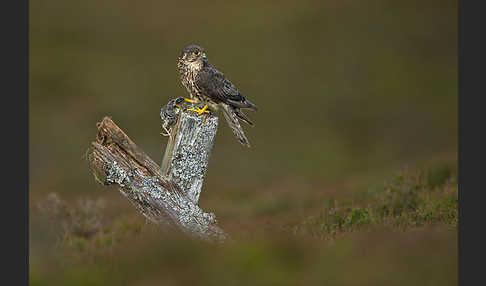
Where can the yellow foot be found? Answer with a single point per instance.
(190, 100)
(199, 110)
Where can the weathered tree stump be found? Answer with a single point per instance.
(165, 196)
(187, 154)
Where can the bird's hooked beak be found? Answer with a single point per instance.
(204, 57)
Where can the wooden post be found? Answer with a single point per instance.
(188, 150)
(115, 159)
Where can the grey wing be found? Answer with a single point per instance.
(216, 86)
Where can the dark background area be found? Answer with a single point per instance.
(349, 94)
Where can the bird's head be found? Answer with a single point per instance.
(193, 55)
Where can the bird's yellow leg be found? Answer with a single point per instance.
(200, 110)
(190, 100)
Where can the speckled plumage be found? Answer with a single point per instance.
(207, 85)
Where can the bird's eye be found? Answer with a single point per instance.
(196, 53)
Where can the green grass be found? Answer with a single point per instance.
(408, 200)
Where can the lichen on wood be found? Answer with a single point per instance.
(115, 159)
(187, 154)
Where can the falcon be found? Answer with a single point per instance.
(209, 87)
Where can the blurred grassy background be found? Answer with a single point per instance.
(349, 93)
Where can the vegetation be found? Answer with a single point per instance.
(94, 250)
(409, 200)
(81, 227)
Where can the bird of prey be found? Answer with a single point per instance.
(209, 87)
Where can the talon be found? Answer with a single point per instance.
(199, 110)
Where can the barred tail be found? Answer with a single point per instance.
(231, 115)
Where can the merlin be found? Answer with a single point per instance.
(209, 87)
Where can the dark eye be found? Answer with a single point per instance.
(196, 53)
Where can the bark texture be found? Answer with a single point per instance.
(115, 159)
